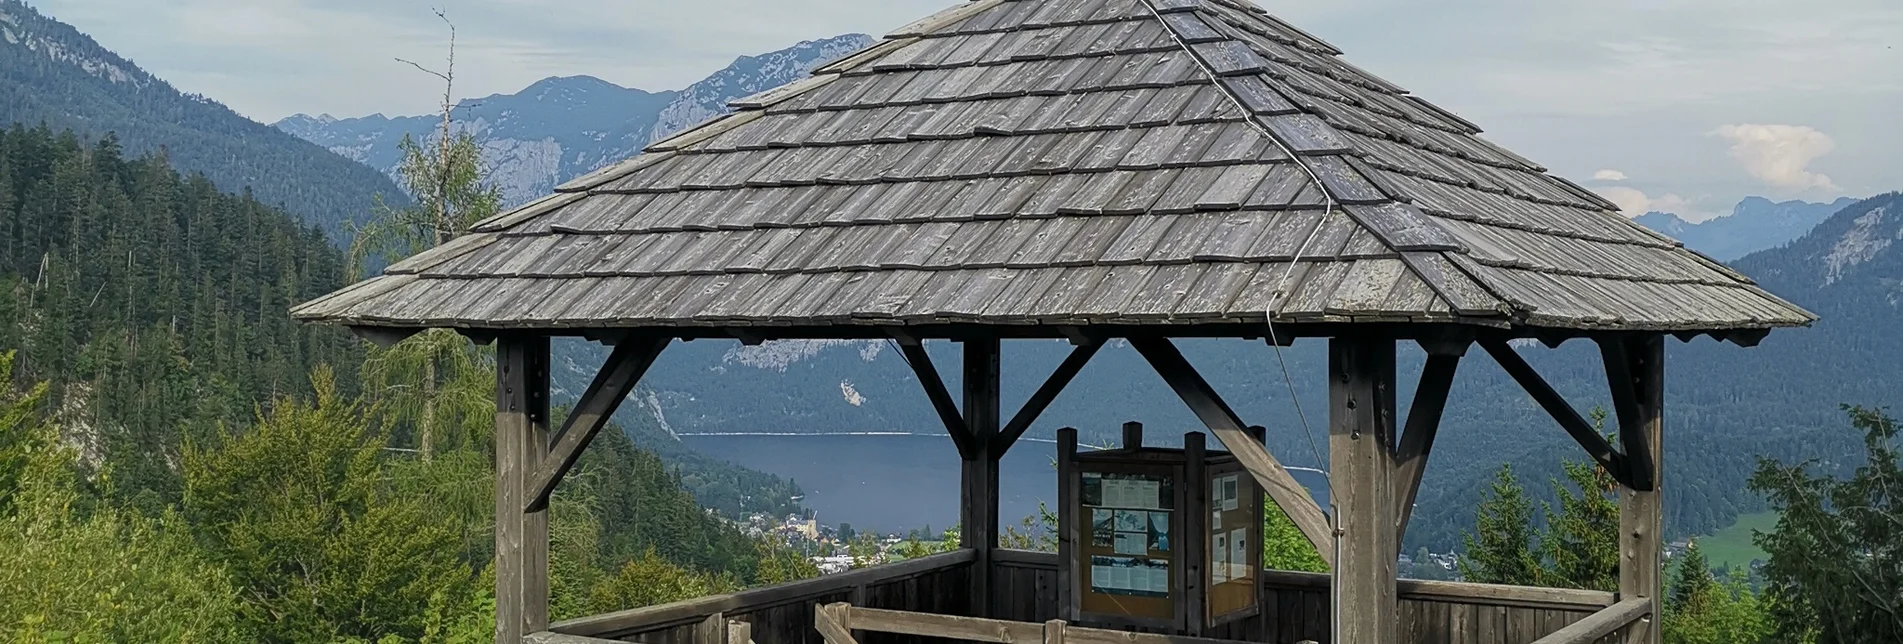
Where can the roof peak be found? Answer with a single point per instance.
(1071, 162)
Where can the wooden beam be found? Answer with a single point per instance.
(1423, 422)
(1620, 361)
(1600, 624)
(978, 517)
(1070, 530)
(1220, 419)
(921, 363)
(547, 637)
(1556, 406)
(1641, 516)
(742, 602)
(1193, 596)
(832, 622)
(967, 629)
(521, 442)
(1041, 399)
(617, 377)
(1361, 476)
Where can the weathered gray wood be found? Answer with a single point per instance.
(521, 441)
(1602, 623)
(1045, 394)
(1054, 631)
(712, 630)
(735, 603)
(1069, 585)
(921, 363)
(831, 620)
(1219, 418)
(1641, 516)
(978, 501)
(547, 637)
(1556, 406)
(739, 632)
(1361, 468)
(1192, 600)
(974, 629)
(618, 376)
(1423, 422)
(1620, 361)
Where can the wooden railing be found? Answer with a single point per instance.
(783, 614)
(1296, 607)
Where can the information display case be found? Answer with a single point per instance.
(1156, 538)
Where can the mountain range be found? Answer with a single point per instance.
(1754, 224)
(53, 75)
(563, 127)
(1726, 404)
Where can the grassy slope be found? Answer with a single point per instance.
(1732, 545)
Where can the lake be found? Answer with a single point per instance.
(893, 482)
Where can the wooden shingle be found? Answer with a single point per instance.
(1015, 162)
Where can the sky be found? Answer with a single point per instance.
(1683, 106)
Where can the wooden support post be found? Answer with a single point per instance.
(1133, 435)
(1220, 419)
(978, 515)
(1423, 422)
(1641, 511)
(1361, 464)
(521, 443)
(1069, 587)
(1192, 604)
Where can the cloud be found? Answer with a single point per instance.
(1608, 175)
(1780, 155)
(1633, 202)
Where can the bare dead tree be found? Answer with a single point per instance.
(444, 228)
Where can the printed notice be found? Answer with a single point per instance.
(1231, 492)
(1102, 527)
(1145, 494)
(1218, 559)
(1159, 576)
(1133, 543)
(1238, 553)
(1160, 531)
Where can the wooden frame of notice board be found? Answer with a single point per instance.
(1137, 536)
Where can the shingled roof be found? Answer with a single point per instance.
(1069, 162)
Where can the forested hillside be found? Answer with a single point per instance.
(212, 470)
(52, 74)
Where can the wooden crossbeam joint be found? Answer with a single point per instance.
(1045, 394)
(921, 363)
(1621, 362)
(630, 360)
(1557, 407)
(1600, 624)
(1223, 421)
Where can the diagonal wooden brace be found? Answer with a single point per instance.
(1041, 399)
(921, 363)
(630, 360)
(1220, 419)
(1556, 406)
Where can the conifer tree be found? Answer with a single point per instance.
(1502, 549)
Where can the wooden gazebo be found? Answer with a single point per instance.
(1085, 170)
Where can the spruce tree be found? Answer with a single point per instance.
(1501, 550)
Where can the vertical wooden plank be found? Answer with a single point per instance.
(739, 632)
(979, 514)
(1069, 581)
(1361, 464)
(712, 630)
(1460, 623)
(1192, 606)
(1641, 517)
(1133, 435)
(521, 443)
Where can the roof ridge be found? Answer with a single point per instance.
(1392, 220)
